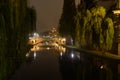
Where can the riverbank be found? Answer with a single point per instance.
(101, 54)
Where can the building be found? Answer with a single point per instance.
(117, 27)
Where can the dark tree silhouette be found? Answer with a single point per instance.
(66, 26)
(14, 30)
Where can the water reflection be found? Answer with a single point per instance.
(34, 54)
(61, 54)
(68, 61)
(31, 56)
(78, 66)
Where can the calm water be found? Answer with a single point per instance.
(65, 64)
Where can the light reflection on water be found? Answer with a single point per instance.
(35, 54)
(61, 53)
(78, 66)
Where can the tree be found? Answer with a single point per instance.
(66, 23)
(98, 14)
(103, 30)
(94, 28)
(108, 34)
(77, 29)
(14, 30)
(89, 3)
(2, 33)
(82, 20)
(31, 19)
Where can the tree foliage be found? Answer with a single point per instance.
(108, 33)
(94, 28)
(66, 23)
(78, 28)
(31, 19)
(14, 30)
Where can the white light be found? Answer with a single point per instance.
(34, 55)
(72, 55)
(27, 54)
(116, 11)
(48, 48)
(30, 37)
(61, 53)
(101, 67)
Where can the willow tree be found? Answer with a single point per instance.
(108, 34)
(82, 20)
(66, 23)
(12, 28)
(95, 29)
(14, 32)
(98, 14)
(102, 27)
(3, 43)
(2, 33)
(77, 29)
(15, 28)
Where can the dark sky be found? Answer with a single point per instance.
(48, 13)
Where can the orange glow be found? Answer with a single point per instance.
(116, 11)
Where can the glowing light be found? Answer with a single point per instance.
(101, 67)
(34, 55)
(48, 48)
(61, 54)
(72, 55)
(116, 11)
(35, 35)
(27, 54)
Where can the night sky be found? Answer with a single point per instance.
(48, 13)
